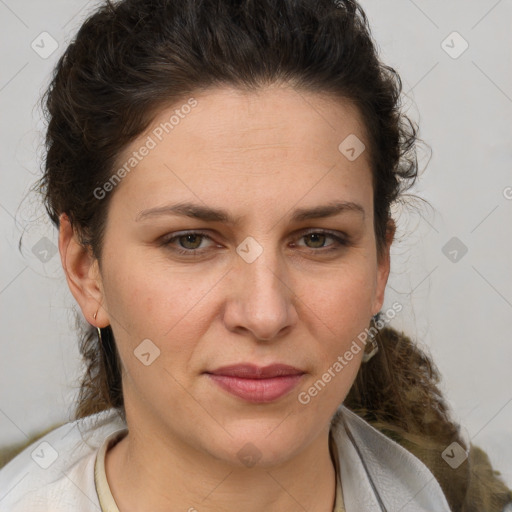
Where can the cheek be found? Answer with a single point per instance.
(342, 298)
(157, 305)
(156, 302)
(340, 308)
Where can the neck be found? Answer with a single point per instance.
(165, 475)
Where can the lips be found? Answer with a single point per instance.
(250, 371)
(257, 384)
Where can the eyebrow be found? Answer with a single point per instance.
(204, 213)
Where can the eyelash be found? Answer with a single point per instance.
(340, 242)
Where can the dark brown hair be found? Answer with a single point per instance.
(132, 58)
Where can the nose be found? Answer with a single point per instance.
(260, 299)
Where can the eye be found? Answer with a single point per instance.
(318, 238)
(189, 242)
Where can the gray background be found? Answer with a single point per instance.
(459, 306)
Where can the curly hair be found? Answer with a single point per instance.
(133, 57)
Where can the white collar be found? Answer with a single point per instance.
(378, 474)
(401, 481)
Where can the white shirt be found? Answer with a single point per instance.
(57, 472)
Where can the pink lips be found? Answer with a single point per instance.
(257, 384)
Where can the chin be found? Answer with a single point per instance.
(260, 447)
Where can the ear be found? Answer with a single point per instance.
(384, 264)
(82, 274)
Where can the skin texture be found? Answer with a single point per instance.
(259, 156)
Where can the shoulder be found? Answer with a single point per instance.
(56, 472)
(380, 471)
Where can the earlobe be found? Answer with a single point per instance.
(82, 274)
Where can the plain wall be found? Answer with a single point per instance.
(458, 306)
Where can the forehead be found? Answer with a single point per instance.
(230, 119)
(267, 144)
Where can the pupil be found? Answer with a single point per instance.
(190, 238)
(315, 236)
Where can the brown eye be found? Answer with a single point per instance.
(192, 238)
(317, 240)
(189, 243)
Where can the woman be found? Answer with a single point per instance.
(221, 174)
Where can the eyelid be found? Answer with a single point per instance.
(341, 240)
(330, 232)
(168, 238)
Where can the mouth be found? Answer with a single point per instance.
(257, 384)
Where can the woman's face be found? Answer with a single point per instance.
(253, 289)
